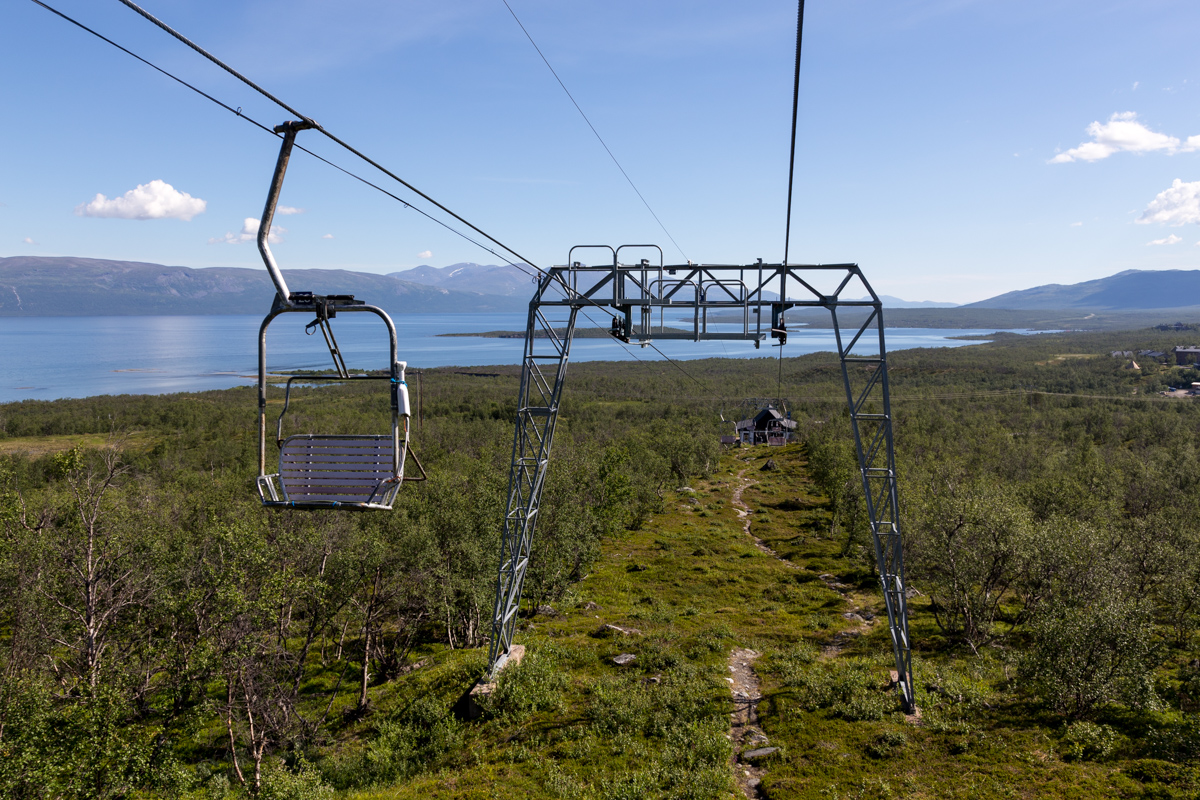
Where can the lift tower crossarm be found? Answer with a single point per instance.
(637, 293)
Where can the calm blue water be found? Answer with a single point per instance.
(46, 358)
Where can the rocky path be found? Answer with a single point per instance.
(751, 747)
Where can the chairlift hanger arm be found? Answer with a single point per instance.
(289, 131)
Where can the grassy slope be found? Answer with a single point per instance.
(573, 724)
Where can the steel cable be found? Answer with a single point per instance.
(787, 236)
(238, 112)
(177, 35)
(599, 138)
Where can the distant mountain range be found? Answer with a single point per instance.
(1128, 290)
(505, 281)
(896, 302)
(52, 287)
(37, 286)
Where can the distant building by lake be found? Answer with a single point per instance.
(1186, 355)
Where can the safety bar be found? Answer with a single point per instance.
(287, 393)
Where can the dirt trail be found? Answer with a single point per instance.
(750, 744)
(743, 512)
(863, 619)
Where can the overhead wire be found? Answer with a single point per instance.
(599, 138)
(318, 127)
(238, 112)
(787, 234)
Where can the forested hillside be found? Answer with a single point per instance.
(162, 636)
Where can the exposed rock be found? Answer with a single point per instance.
(770, 466)
(624, 658)
(685, 489)
(850, 615)
(590, 606)
(759, 755)
(868, 616)
(616, 630)
(547, 611)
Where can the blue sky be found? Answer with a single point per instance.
(956, 149)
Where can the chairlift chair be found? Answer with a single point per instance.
(324, 471)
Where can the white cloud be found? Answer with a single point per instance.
(425, 254)
(289, 210)
(1135, 85)
(250, 233)
(327, 236)
(1076, 224)
(1123, 132)
(154, 200)
(28, 240)
(1172, 239)
(1176, 206)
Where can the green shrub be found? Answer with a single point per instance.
(1175, 739)
(1086, 654)
(405, 744)
(626, 705)
(850, 688)
(951, 686)
(793, 661)
(302, 782)
(534, 685)
(1087, 741)
(698, 745)
(887, 744)
(713, 639)
(1152, 770)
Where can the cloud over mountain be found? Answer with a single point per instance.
(154, 200)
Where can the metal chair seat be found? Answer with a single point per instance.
(333, 472)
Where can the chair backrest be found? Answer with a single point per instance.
(338, 469)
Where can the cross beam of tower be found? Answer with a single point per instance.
(720, 301)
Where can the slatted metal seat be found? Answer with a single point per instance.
(319, 471)
(340, 469)
(334, 471)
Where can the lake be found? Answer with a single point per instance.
(46, 358)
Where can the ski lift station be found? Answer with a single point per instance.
(768, 426)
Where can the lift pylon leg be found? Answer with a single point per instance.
(866, 381)
(543, 369)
